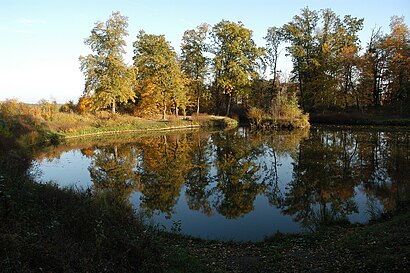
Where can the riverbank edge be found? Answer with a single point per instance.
(145, 126)
(378, 119)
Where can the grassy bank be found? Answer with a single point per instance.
(45, 123)
(74, 125)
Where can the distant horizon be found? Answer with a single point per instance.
(39, 58)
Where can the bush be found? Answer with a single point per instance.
(68, 107)
(256, 116)
(289, 107)
(287, 115)
(84, 105)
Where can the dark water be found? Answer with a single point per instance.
(242, 185)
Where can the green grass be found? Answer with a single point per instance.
(69, 125)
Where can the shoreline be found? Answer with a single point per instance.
(114, 132)
(360, 119)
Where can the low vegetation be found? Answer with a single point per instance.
(285, 114)
(51, 122)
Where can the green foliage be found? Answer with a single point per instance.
(161, 82)
(235, 60)
(286, 114)
(221, 67)
(108, 79)
(324, 74)
(194, 63)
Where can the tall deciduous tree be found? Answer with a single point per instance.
(324, 52)
(108, 79)
(300, 32)
(235, 60)
(348, 60)
(372, 68)
(273, 39)
(194, 62)
(159, 74)
(397, 47)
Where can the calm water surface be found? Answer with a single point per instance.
(242, 185)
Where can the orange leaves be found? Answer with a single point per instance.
(84, 104)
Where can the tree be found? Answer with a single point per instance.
(108, 79)
(273, 39)
(324, 52)
(347, 59)
(159, 74)
(300, 32)
(194, 63)
(337, 57)
(235, 60)
(397, 47)
(372, 69)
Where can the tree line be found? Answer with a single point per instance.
(220, 68)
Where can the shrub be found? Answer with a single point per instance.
(68, 107)
(11, 108)
(84, 105)
(256, 116)
(289, 107)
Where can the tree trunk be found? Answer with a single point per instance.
(197, 105)
(228, 105)
(116, 152)
(113, 107)
(164, 110)
(176, 110)
(302, 99)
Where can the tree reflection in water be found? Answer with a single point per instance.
(112, 168)
(224, 172)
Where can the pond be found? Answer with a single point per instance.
(242, 185)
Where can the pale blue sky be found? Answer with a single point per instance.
(41, 40)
